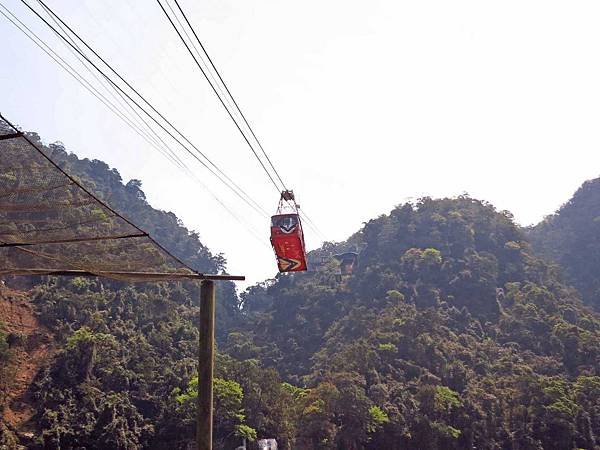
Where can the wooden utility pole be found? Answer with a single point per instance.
(206, 360)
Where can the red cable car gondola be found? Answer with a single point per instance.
(287, 237)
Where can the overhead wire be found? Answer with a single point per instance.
(199, 54)
(184, 167)
(240, 192)
(230, 94)
(70, 70)
(115, 94)
(236, 217)
(231, 100)
(217, 94)
(171, 156)
(215, 170)
(93, 197)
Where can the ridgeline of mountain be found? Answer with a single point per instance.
(451, 334)
(571, 238)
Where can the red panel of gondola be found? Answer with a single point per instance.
(287, 239)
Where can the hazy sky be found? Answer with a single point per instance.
(360, 104)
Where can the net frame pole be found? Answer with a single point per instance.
(206, 361)
(5, 137)
(18, 133)
(133, 276)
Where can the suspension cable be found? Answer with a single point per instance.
(217, 172)
(217, 94)
(115, 94)
(171, 156)
(230, 94)
(80, 79)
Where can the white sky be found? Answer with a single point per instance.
(361, 105)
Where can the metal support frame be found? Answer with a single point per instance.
(151, 276)
(72, 240)
(5, 137)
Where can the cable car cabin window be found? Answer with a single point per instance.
(287, 223)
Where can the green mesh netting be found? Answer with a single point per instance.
(50, 223)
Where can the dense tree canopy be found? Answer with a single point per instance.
(571, 237)
(452, 333)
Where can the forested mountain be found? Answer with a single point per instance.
(571, 237)
(120, 351)
(452, 333)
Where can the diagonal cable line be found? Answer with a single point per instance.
(240, 192)
(217, 94)
(312, 225)
(217, 172)
(115, 94)
(230, 98)
(93, 197)
(74, 74)
(230, 94)
(90, 88)
(200, 56)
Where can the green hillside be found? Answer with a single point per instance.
(571, 238)
(451, 334)
(122, 350)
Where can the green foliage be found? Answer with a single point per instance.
(244, 431)
(446, 398)
(228, 403)
(570, 237)
(190, 395)
(122, 348)
(377, 418)
(80, 284)
(451, 334)
(4, 347)
(387, 347)
(445, 430)
(451, 326)
(84, 337)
